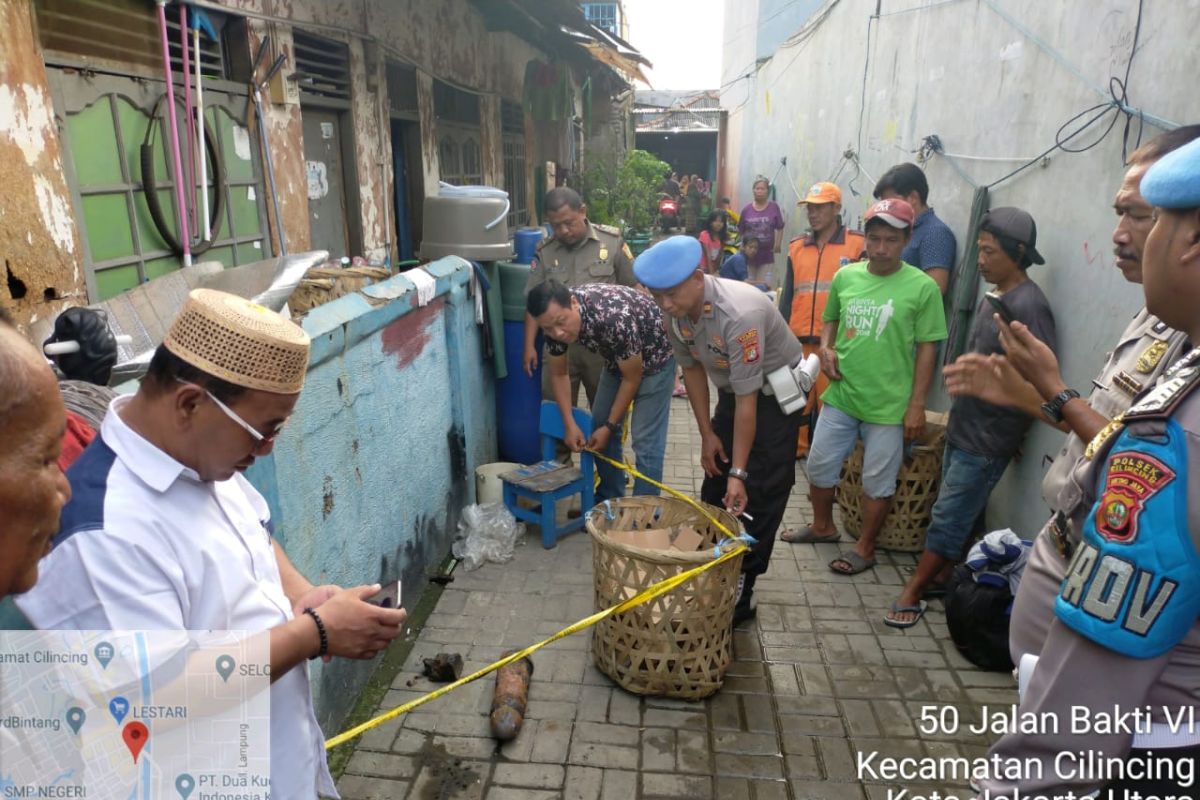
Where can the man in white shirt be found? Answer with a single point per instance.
(163, 532)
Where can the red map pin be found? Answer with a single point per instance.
(135, 735)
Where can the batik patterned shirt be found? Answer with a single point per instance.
(619, 323)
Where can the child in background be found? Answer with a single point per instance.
(736, 267)
(712, 241)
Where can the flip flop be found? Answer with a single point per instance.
(918, 609)
(807, 535)
(856, 563)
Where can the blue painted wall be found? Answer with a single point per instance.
(367, 481)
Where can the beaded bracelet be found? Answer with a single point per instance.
(320, 631)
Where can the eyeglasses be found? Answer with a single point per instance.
(260, 438)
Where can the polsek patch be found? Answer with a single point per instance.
(751, 351)
(1133, 478)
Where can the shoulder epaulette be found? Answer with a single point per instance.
(1178, 382)
(611, 230)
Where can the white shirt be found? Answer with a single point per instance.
(145, 544)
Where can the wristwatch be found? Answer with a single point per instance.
(612, 426)
(1053, 409)
(740, 474)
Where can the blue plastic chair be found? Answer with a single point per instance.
(549, 481)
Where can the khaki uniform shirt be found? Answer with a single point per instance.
(1074, 672)
(600, 257)
(1144, 351)
(739, 338)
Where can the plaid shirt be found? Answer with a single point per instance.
(619, 323)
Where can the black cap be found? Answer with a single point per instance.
(1017, 224)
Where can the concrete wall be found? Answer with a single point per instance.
(994, 79)
(367, 481)
(42, 270)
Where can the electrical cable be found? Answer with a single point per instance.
(862, 107)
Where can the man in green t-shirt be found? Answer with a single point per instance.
(883, 321)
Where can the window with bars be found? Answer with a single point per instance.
(514, 180)
(322, 67)
(115, 35)
(460, 160)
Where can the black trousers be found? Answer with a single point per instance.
(772, 468)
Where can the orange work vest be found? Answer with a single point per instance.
(812, 269)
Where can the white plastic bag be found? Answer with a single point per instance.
(486, 533)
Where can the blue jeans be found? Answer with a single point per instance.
(651, 410)
(967, 481)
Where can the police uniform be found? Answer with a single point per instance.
(1127, 612)
(1142, 355)
(600, 257)
(739, 339)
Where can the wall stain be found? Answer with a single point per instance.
(406, 337)
(327, 488)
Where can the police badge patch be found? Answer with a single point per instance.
(751, 352)
(1133, 478)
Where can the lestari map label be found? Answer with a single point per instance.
(135, 714)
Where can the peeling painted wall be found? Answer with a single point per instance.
(367, 482)
(42, 271)
(995, 80)
(285, 132)
(372, 152)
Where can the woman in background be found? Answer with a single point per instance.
(762, 220)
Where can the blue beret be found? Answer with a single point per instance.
(668, 263)
(1174, 180)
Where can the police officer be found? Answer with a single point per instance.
(729, 332)
(579, 253)
(1144, 351)
(1127, 614)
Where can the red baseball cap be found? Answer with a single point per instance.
(897, 213)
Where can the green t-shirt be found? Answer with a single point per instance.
(880, 321)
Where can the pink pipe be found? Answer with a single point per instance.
(189, 162)
(180, 207)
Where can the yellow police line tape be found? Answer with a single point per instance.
(646, 594)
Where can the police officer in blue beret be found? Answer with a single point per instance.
(729, 332)
(1127, 614)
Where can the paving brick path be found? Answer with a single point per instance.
(818, 680)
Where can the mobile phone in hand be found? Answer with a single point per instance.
(1001, 307)
(387, 597)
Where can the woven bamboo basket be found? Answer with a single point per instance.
(916, 491)
(680, 643)
(324, 284)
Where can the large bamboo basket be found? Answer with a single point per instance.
(916, 491)
(678, 644)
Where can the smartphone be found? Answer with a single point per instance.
(387, 597)
(1001, 308)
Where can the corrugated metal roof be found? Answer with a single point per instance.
(677, 111)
